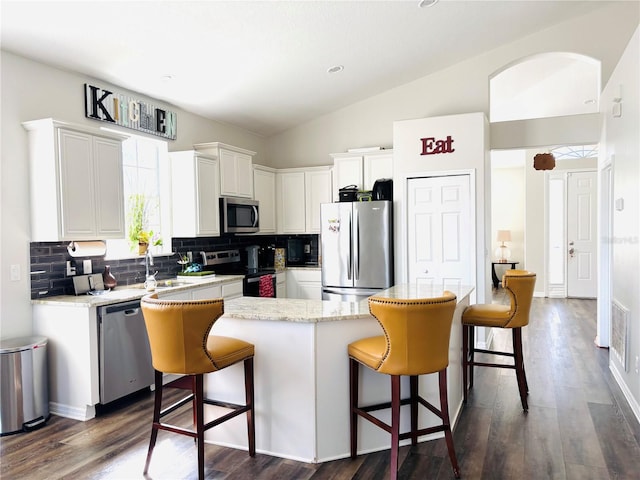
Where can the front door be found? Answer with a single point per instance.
(581, 235)
(439, 231)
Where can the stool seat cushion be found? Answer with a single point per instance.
(487, 315)
(369, 351)
(225, 351)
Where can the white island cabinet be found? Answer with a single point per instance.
(302, 375)
(76, 182)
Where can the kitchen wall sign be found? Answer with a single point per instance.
(126, 111)
(431, 146)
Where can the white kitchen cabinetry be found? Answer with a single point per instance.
(299, 193)
(195, 191)
(76, 182)
(281, 285)
(264, 190)
(204, 292)
(304, 283)
(361, 169)
(236, 169)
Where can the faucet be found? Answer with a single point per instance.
(148, 262)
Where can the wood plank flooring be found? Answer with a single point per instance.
(579, 426)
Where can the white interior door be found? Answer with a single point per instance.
(439, 231)
(581, 234)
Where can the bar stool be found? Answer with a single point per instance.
(180, 344)
(415, 342)
(519, 284)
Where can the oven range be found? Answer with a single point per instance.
(257, 282)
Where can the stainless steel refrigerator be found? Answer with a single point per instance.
(357, 249)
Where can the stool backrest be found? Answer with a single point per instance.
(519, 284)
(417, 333)
(178, 332)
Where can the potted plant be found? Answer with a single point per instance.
(138, 235)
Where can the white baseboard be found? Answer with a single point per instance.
(633, 403)
(75, 413)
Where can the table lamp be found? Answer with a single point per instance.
(502, 252)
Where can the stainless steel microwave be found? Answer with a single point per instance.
(239, 215)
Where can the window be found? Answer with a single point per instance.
(146, 177)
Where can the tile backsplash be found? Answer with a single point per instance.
(49, 260)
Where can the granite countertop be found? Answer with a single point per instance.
(315, 311)
(133, 292)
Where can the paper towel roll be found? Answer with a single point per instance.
(87, 249)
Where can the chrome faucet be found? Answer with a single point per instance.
(148, 262)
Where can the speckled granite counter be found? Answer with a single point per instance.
(301, 373)
(131, 292)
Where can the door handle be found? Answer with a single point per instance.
(572, 252)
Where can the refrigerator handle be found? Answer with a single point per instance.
(356, 246)
(349, 263)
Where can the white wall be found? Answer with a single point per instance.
(30, 91)
(507, 210)
(462, 88)
(621, 143)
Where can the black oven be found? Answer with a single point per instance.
(259, 284)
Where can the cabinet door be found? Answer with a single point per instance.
(228, 173)
(348, 171)
(232, 290)
(317, 191)
(291, 202)
(207, 211)
(109, 192)
(77, 199)
(264, 190)
(377, 166)
(206, 293)
(244, 175)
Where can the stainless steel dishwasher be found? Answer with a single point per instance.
(125, 355)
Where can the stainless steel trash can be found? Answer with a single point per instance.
(24, 393)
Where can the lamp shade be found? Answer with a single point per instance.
(504, 236)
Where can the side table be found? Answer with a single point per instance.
(494, 277)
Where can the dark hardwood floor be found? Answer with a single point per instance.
(579, 426)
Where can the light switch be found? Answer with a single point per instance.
(15, 273)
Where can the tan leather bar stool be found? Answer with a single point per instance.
(519, 284)
(415, 342)
(180, 344)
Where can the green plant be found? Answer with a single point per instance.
(137, 220)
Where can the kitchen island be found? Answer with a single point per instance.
(301, 374)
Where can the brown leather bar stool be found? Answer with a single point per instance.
(519, 284)
(415, 342)
(180, 344)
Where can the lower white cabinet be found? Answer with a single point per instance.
(226, 291)
(281, 285)
(304, 284)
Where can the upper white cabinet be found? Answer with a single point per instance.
(264, 190)
(195, 191)
(76, 182)
(361, 169)
(236, 169)
(299, 193)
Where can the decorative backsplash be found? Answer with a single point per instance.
(49, 260)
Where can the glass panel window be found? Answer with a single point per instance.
(146, 217)
(556, 231)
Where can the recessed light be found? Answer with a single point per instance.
(590, 101)
(335, 69)
(427, 3)
(166, 78)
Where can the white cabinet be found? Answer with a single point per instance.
(195, 192)
(304, 284)
(299, 193)
(204, 292)
(236, 169)
(76, 182)
(361, 169)
(232, 290)
(281, 285)
(264, 190)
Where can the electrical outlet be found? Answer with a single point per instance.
(637, 364)
(15, 273)
(71, 268)
(86, 267)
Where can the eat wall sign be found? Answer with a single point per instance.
(431, 146)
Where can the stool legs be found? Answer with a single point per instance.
(519, 363)
(394, 428)
(157, 405)
(249, 398)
